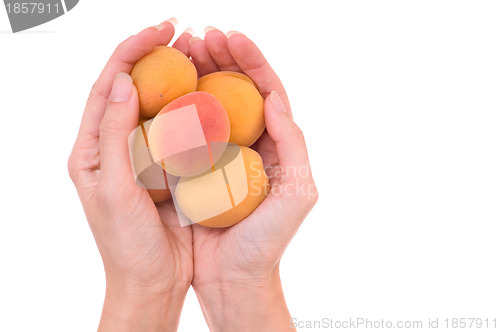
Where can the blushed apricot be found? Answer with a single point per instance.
(190, 134)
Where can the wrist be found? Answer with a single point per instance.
(132, 308)
(246, 304)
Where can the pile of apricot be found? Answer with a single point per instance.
(192, 142)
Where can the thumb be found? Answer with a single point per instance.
(119, 120)
(287, 136)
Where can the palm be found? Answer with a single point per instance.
(172, 254)
(241, 248)
(250, 244)
(176, 242)
(134, 235)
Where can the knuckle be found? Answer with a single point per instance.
(314, 194)
(216, 52)
(94, 90)
(298, 133)
(97, 91)
(72, 168)
(121, 47)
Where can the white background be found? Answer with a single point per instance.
(400, 105)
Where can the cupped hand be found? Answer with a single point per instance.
(246, 256)
(147, 256)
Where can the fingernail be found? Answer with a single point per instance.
(277, 102)
(122, 88)
(189, 31)
(192, 39)
(173, 21)
(208, 28)
(232, 32)
(159, 27)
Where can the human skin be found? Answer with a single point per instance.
(147, 255)
(150, 261)
(236, 269)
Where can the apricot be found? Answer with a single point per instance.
(226, 194)
(161, 76)
(241, 100)
(190, 134)
(234, 74)
(149, 174)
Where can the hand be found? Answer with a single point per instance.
(147, 256)
(237, 269)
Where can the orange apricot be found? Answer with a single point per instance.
(226, 194)
(161, 76)
(241, 100)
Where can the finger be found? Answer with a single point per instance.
(201, 57)
(252, 62)
(167, 31)
(287, 136)
(122, 60)
(216, 42)
(267, 149)
(182, 43)
(120, 119)
(290, 197)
